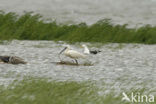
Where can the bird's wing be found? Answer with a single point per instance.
(16, 60)
(76, 54)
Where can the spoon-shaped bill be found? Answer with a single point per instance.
(63, 50)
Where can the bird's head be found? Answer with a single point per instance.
(83, 46)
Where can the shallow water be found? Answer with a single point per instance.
(133, 12)
(119, 66)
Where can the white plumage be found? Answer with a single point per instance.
(86, 50)
(72, 53)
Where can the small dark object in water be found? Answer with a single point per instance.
(12, 60)
(94, 52)
(71, 63)
(4, 59)
(65, 63)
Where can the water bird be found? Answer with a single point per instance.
(12, 60)
(87, 51)
(72, 53)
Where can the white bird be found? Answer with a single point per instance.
(87, 51)
(72, 53)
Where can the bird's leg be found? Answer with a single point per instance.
(73, 61)
(76, 61)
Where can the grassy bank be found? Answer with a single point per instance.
(42, 91)
(32, 27)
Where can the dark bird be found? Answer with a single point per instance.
(95, 52)
(12, 60)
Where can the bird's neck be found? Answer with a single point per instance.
(67, 50)
(86, 50)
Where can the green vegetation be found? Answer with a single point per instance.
(32, 27)
(43, 91)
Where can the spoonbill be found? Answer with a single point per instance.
(72, 53)
(87, 51)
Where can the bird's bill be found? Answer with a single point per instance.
(63, 50)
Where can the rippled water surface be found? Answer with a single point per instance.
(133, 12)
(118, 66)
